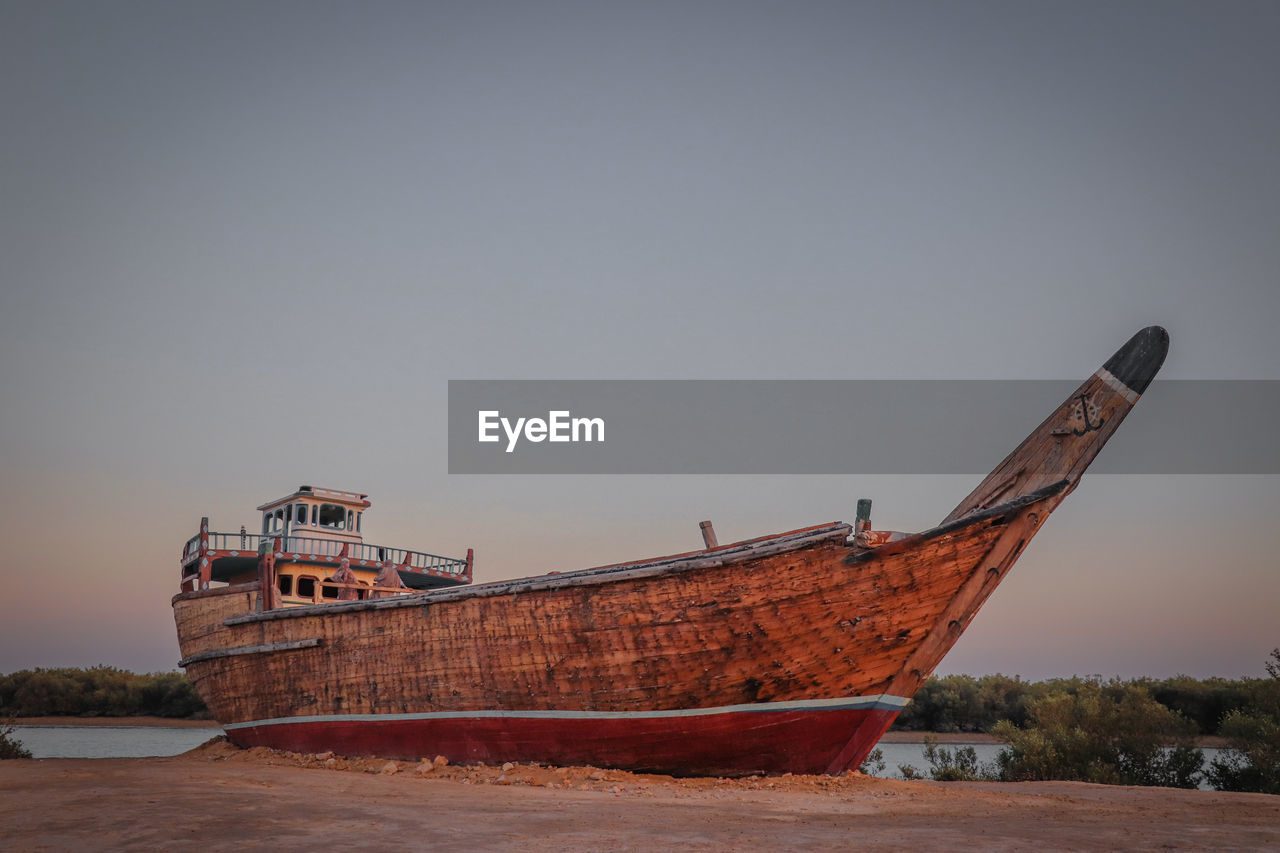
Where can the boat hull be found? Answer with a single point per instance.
(717, 743)
(784, 654)
(790, 653)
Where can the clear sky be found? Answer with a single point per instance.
(244, 246)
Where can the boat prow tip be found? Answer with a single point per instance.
(1136, 363)
(1066, 442)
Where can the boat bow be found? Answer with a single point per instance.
(1022, 491)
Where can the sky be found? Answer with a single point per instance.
(244, 246)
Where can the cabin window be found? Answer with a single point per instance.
(285, 582)
(300, 515)
(306, 586)
(330, 591)
(333, 517)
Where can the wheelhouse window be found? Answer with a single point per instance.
(333, 517)
(315, 514)
(273, 522)
(300, 516)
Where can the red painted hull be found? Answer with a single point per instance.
(735, 743)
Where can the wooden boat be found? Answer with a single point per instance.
(787, 653)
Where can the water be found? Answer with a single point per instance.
(109, 741)
(896, 754)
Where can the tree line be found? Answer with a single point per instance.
(952, 703)
(100, 691)
(962, 703)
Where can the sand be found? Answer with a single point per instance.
(219, 797)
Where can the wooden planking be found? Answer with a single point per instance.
(949, 624)
(1067, 441)
(291, 645)
(788, 626)
(800, 616)
(725, 555)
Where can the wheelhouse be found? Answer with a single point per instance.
(310, 549)
(317, 513)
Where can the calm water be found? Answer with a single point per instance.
(109, 741)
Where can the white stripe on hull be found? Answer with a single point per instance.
(878, 702)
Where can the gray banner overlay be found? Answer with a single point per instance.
(843, 426)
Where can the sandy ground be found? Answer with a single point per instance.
(219, 797)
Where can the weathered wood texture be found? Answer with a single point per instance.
(801, 616)
(796, 625)
(1067, 441)
(215, 654)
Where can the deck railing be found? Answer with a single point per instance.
(418, 561)
(235, 541)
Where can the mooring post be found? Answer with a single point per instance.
(862, 522)
(266, 576)
(708, 535)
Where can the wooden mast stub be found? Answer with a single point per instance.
(708, 535)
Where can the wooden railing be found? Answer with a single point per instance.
(382, 555)
(236, 541)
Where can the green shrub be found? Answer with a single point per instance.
(873, 764)
(958, 765)
(947, 765)
(910, 772)
(1113, 734)
(9, 747)
(1252, 760)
